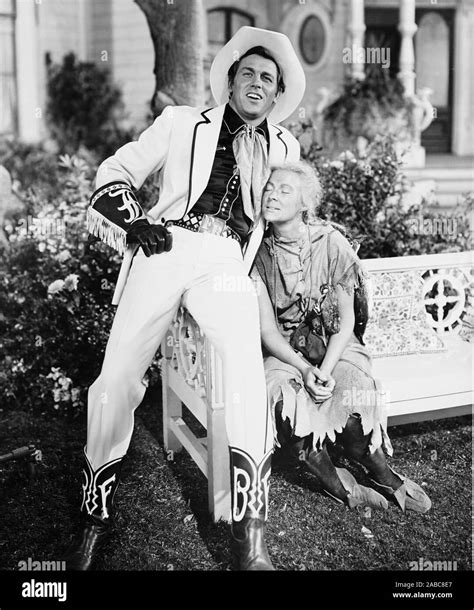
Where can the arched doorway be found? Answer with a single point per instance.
(434, 69)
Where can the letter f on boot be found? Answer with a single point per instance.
(98, 493)
(250, 484)
(99, 488)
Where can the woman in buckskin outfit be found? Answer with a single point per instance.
(313, 312)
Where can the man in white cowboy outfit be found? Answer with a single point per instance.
(206, 227)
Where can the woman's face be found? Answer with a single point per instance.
(281, 202)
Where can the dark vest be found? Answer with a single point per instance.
(222, 196)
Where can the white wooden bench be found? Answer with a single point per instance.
(418, 386)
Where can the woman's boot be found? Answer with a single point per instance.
(294, 445)
(340, 484)
(249, 488)
(97, 523)
(405, 492)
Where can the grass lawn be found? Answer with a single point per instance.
(163, 523)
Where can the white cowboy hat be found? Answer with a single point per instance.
(280, 48)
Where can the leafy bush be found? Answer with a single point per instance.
(82, 107)
(56, 285)
(31, 164)
(368, 195)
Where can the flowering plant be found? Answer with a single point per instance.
(368, 194)
(56, 286)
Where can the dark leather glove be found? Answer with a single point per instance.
(154, 239)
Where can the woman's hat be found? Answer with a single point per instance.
(280, 48)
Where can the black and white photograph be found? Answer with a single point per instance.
(236, 304)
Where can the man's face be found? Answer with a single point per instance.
(254, 88)
(281, 200)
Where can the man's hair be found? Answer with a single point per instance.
(263, 52)
(311, 189)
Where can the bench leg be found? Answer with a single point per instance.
(172, 407)
(218, 468)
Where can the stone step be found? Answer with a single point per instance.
(450, 183)
(458, 186)
(440, 173)
(447, 201)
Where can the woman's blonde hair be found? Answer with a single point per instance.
(311, 189)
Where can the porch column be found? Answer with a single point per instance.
(84, 25)
(407, 28)
(463, 115)
(356, 29)
(27, 62)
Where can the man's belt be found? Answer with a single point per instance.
(205, 223)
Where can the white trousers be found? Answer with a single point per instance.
(205, 273)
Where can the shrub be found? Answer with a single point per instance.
(56, 286)
(32, 165)
(82, 107)
(367, 194)
(55, 329)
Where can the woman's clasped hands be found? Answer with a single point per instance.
(318, 384)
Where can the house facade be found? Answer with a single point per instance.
(427, 43)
